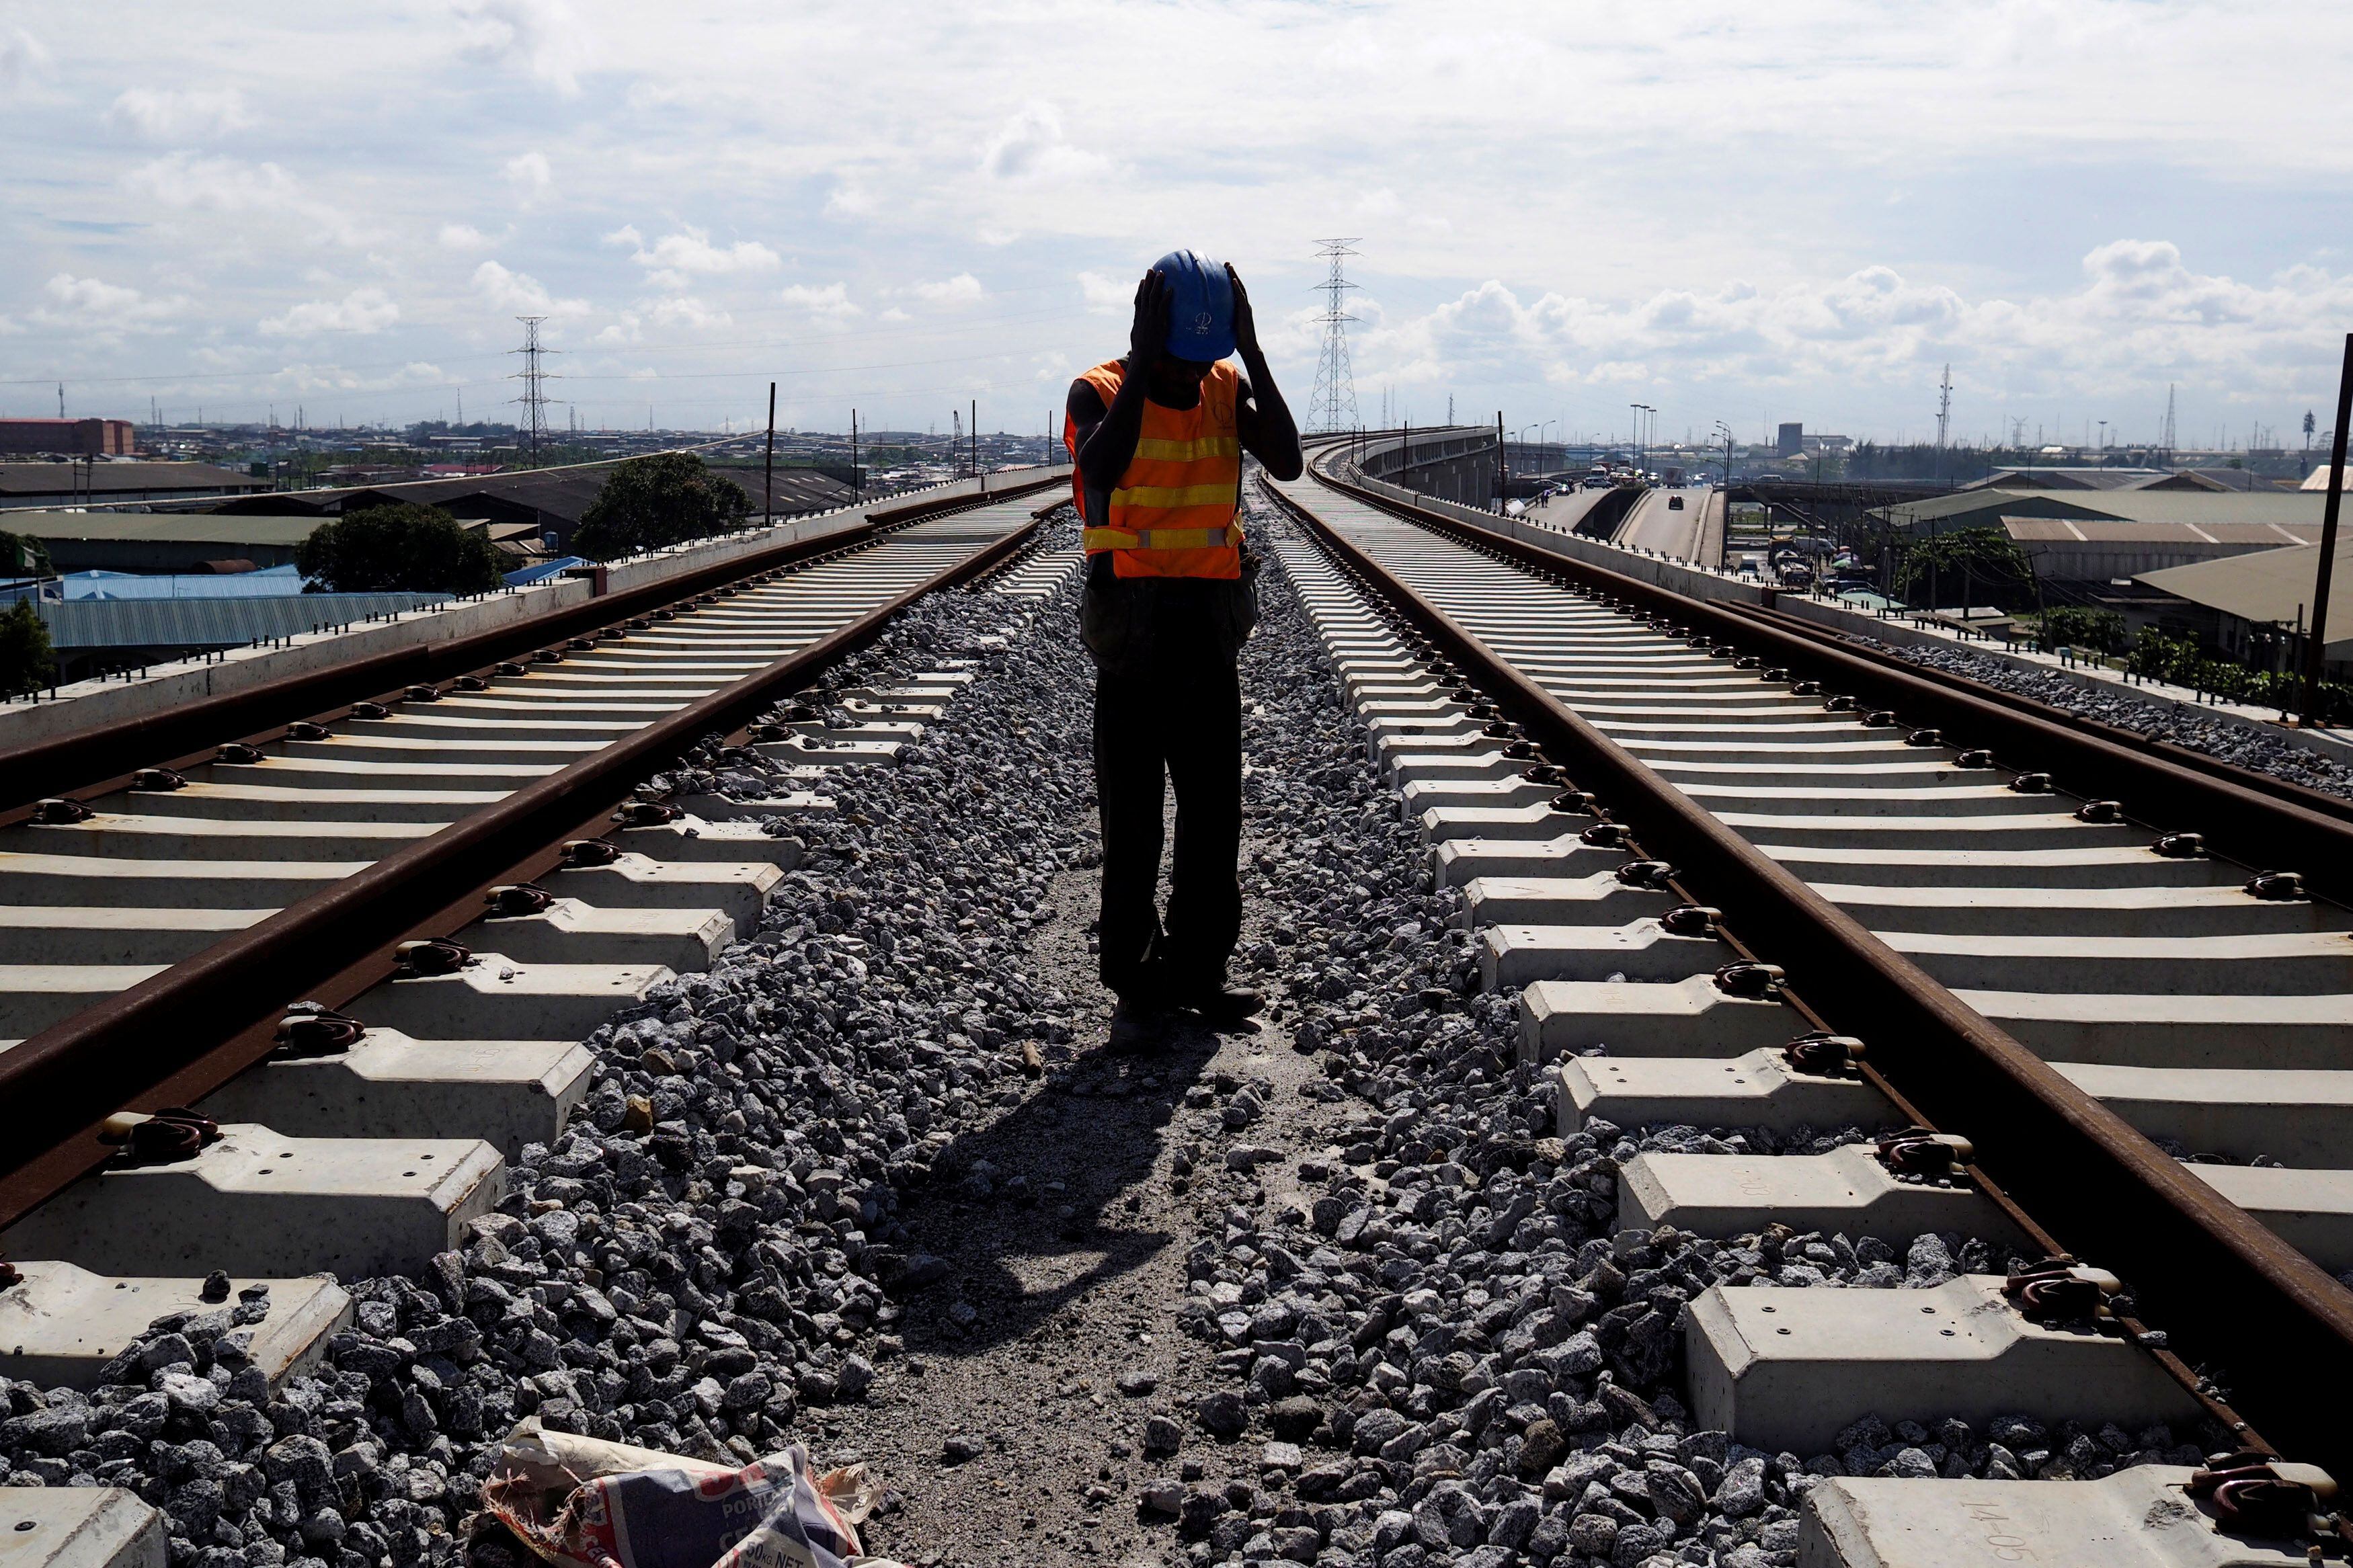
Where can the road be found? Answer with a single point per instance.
(1695, 532)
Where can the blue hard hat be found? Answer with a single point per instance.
(1200, 305)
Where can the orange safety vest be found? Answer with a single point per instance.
(1176, 512)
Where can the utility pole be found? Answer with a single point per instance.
(534, 379)
(61, 400)
(2316, 648)
(976, 443)
(768, 471)
(857, 480)
(1944, 416)
(1502, 466)
(1332, 404)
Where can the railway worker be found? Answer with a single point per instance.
(1157, 438)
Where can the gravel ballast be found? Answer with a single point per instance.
(2240, 744)
(1327, 1292)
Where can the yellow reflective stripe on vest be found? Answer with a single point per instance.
(1152, 450)
(1219, 494)
(1097, 539)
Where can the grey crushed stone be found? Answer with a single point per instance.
(2241, 745)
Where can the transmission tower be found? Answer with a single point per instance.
(534, 384)
(2168, 441)
(1332, 406)
(1944, 406)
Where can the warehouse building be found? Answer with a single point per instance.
(162, 541)
(2113, 535)
(2253, 607)
(117, 484)
(547, 505)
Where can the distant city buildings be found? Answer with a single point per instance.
(68, 438)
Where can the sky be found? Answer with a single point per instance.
(1746, 214)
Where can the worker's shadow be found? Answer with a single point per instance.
(1015, 1260)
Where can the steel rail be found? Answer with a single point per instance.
(103, 757)
(2229, 1292)
(199, 1023)
(2250, 823)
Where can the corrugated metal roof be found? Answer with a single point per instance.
(561, 493)
(2267, 587)
(142, 527)
(211, 623)
(2288, 509)
(270, 582)
(108, 478)
(2110, 531)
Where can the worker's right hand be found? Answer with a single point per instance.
(1149, 335)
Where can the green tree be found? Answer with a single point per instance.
(1980, 562)
(2075, 625)
(649, 503)
(404, 547)
(24, 661)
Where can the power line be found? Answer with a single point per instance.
(1332, 406)
(534, 379)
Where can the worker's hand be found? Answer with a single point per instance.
(1149, 336)
(1245, 323)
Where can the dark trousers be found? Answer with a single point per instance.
(1178, 715)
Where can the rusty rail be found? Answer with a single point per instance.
(103, 758)
(2229, 1292)
(192, 1026)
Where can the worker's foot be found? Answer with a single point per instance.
(1138, 1026)
(1224, 1007)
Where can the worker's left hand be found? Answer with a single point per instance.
(1245, 323)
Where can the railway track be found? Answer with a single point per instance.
(364, 940)
(2093, 1005)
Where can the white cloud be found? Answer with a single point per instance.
(626, 235)
(172, 115)
(679, 312)
(961, 290)
(22, 58)
(105, 309)
(214, 184)
(362, 311)
(831, 302)
(312, 378)
(505, 289)
(544, 37)
(2141, 317)
(1106, 296)
(671, 261)
(848, 199)
(190, 182)
(686, 310)
(1827, 272)
(530, 178)
(1030, 146)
